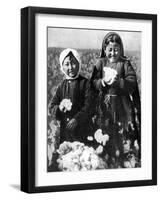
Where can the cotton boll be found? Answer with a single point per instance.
(121, 131)
(127, 164)
(76, 168)
(99, 149)
(131, 125)
(78, 157)
(132, 161)
(88, 165)
(105, 138)
(90, 138)
(102, 164)
(117, 153)
(100, 138)
(126, 146)
(94, 118)
(78, 152)
(106, 157)
(53, 127)
(61, 106)
(65, 105)
(68, 105)
(98, 135)
(77, 145)
(85, 156)
(64, 148)
(84, 169)
(50, 154)
(94, 161)
(110, 75)
(68, 161)
(60, 163)
(136, 145)
(52, 146)
(91, 150)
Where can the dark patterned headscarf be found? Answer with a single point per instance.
(112, 37)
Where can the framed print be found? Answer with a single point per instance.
(88, 99)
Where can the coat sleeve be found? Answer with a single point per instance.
(96, 79)
(83, 115)
(54, 104)
(128, 83)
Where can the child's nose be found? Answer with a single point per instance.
(70, 66)
(112, 52)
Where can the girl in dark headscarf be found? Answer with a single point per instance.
(116, 91)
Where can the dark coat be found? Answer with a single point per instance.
(117, 102)
(77, 91)
(116, 106)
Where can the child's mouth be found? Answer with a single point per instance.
(71, 73)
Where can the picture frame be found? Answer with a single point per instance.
(35, 22)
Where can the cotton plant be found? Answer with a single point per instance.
(131, 161)
(76, 156)
(126, 153)
(53, 139)
(99, 149)
(126, 146)
(136, 145)
(64, 148)
(131, 154)
(99, 137)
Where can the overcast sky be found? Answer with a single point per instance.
(89, 39)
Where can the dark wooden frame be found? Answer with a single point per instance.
(28, 98)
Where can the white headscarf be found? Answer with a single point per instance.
(63, 55)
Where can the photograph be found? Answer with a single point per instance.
(93, 96)
(88, 99)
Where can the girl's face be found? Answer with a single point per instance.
(70, 66)
(113, 52)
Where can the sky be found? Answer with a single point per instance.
(89, 39)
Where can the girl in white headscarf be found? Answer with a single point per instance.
(70, 104)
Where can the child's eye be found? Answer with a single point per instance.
(67, 64)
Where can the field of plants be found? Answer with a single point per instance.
(54, 76)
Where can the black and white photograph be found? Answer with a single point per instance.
(93, 99)
(80, 100)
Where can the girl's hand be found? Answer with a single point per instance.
(112, 80)
(62, 108)
(115, 79)
(108, 81)
(72, 124)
